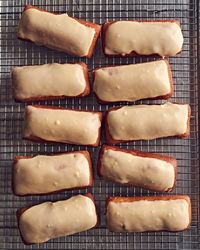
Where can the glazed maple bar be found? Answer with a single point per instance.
(133, 82)
(58, 31)
(45, 174)
(147, 122)
(56, 124)
(50, 81)
(156, 213)
(40, 223)
(129, 38)
(138, 169)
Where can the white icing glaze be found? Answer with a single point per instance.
(68, 126)
(48, 80)
(50, 220)
(59, 32)
(144, 38)
(146, 172)
(132, 82)
(144, 215)
(147, 122)
(45, 174)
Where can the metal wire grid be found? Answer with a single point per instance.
(184, 68)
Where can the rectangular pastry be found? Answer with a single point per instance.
(136, 168)
(156, 213)
(58, 31)
(56, 124)
(45, 174)
(50, 81)
(129, 38)
(49, 220)
(133, 82)
(147, 122)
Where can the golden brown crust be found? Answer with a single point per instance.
(112, 141)
(164, 97)
(37, 139)
(149, 198)
(84, 152)
(154, 198)
(166, 158)
(97, 28)
(133, 53)
(44, 98)
(20, 211)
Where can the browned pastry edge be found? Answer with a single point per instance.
(153, 198)
(20, 211)
(97, 28)
(44, 98)
(84, 152)
(112, 141)
(133, 53)
(166, 158)
(37, 139)
(165, 97)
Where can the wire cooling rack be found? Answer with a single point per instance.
(185, 74)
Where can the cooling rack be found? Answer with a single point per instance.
(185, 69)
